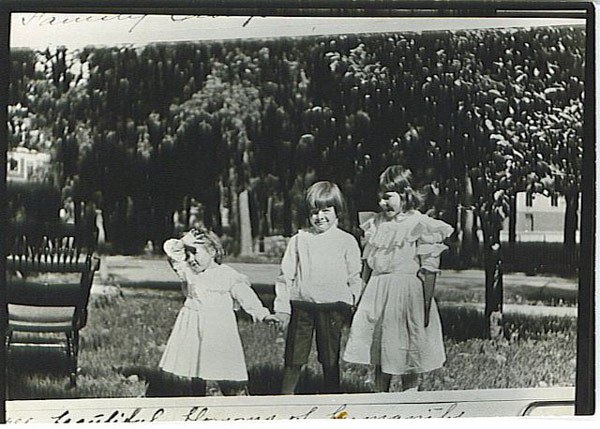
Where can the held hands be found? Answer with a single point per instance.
(281, 320)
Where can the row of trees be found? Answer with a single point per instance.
(477, 115)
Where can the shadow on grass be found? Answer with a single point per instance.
(34, 369)
(266, 380)
(263, 380)
(158, 382)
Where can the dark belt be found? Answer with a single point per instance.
(305, 305)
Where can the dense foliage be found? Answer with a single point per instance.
(477, 115)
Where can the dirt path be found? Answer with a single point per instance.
(155, 273)
(134, 270)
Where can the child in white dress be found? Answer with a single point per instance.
(205, 343)
(391, 328)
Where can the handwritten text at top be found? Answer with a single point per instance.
(45, 19)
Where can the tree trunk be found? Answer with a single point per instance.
(101, 247)
(450, 215)
(467, 224)
(467, 249)
(224, 211)
(287, 209)
(493, 279)
(234, 216)
(570, 229)
(246, 247)
(512, 229)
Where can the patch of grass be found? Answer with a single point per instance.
(463, 323)
(511, 296)
(125, 337)
(548, 360)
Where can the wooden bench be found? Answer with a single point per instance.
(50, 268)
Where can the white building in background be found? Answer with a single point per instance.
(541, 221)
(26, 165)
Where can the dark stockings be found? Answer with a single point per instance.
(198, 387)
(291, 375)
(331, 375)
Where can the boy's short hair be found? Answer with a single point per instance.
(325, 194)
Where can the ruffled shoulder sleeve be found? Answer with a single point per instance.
(426, 229)
(381, 233)
(369, 227)
(429, 234)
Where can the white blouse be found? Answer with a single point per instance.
(319, 268)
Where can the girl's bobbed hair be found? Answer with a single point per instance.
(397, 178)
(205, 237)
(325, 194)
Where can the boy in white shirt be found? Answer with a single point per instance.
(319, 283)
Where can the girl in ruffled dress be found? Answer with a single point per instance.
(205, 343)
(396, 326)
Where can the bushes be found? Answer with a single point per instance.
(40, 201)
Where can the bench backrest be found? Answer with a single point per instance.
(35, 249)
(50, 247)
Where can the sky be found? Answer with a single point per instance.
(40, 30)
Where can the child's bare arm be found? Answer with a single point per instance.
(430, 263)
(176, 257)
(428, 279)
(366, 273)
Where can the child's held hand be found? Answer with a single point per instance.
(281, 320)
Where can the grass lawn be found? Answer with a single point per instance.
(125, 336)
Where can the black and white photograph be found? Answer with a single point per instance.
(296, 213)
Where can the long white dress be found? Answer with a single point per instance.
(388, 328)
(205, 341)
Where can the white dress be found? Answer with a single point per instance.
(205, 341)
(388, 328)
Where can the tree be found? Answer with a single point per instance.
(528, 142)
(212, 138)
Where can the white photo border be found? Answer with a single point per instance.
(18, 411)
